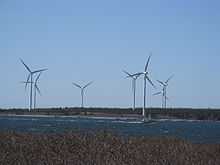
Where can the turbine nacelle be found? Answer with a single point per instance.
(133, 76)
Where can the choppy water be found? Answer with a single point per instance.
(195, 131)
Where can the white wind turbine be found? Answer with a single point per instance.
(164, 91)
(146, 78)
(134, 78)
(30, 76)
(82, 88)
(36, 88)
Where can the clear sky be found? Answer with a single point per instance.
(86, 40)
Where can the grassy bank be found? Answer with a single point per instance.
(179, 113)
(102, 149)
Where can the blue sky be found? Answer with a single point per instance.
(80, 41)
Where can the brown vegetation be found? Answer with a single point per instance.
(102, 149)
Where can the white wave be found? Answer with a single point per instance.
(183, 120)
(22, 119)
(128, 122)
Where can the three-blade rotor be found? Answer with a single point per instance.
(82, 87)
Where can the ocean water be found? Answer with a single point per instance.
(192, 130)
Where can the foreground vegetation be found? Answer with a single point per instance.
(102, 149)
(179, 113)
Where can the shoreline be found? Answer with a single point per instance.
(107, 117)
(156, 113)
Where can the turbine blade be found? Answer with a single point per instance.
(129, 75)
(137, 74)
(27, 81)
(158, 93)
(41, 70)
(148, 60)
(87, 85)
(169, 78)
(161, 82)
(38, 77)
(25, 65)
(24, 82)
(38, 89)
(150, 81)
(77, 85)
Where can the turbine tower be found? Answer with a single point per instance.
(164, 91)
(146, 78)
(134, 78)
(82, 88)
(30, 76)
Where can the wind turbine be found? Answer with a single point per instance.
(134, 77)
(146, 78)
(36, 88)
(164, 91)
(82, 88)
(30, 76)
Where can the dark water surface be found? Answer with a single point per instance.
(195, 131)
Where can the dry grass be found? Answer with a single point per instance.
(102, 149)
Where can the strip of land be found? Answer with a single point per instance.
(157, 113)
